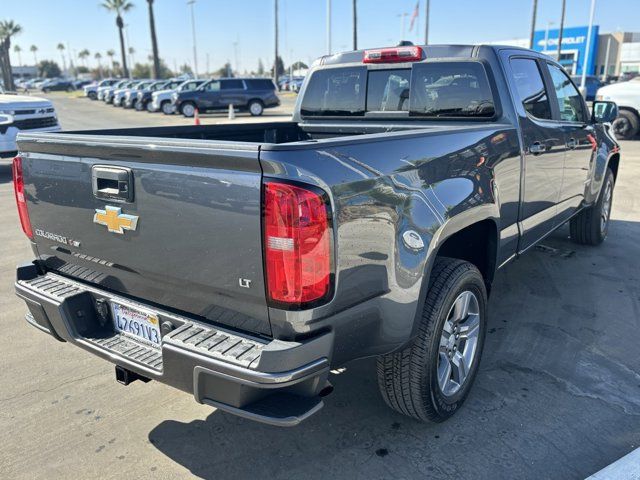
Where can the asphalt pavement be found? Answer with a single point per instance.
(557, 395)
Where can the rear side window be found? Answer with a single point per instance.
(231, 85)
(451, 89)
(336, 91)
(569, 99)
(260, 84)
(530, 87)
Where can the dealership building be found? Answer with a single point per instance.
(609, 53)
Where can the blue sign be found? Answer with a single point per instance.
(574, 47)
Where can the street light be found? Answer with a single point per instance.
(193, 30)
(546, 37)
(585, 62)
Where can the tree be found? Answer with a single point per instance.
(260, 67)
(185, 68)
(119, 7)
(111, 54)
(299, 65)
(224, 71)
(131, 52)
(84, 54)
(48, 69)
(34, 49)
(141, 71)
(279, 67)
(17, 49)
(98, 57)
(154, 42)
(8, 29)
(64, 62)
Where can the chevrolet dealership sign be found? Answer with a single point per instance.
(574, 46)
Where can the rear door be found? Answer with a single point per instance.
(578, 137)
(209, 97)
(232, 91)
(544, 148)
(169, 222)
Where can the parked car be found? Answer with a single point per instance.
(91, 90)
(81, 83)
(104, 91)
(57, 85)
(251, 94)
(592, 84)
(161, 100)
(371, 224)
(627, 96)
(130, 96)
(19, 113)
(110, 92)
(119, 95)
(144, 100)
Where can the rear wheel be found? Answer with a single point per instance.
(92, 95)
(430, 379)
(256, 108)
(591, 225)
(188, 109)
(627, 125)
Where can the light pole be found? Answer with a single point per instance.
(355, 25)
(275, 59)
(328, 27)
(564, 7)
(193, 31)
(585, 62)
(402, 17)
(546, 37)
(426, 26)
(533, 23)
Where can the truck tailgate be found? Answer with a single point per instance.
(183, 231)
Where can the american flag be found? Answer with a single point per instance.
(414, 15)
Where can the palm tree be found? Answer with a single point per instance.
(8, 28)
(17, 49)
(120, 7)
(34, 49)
(98, 57)
(111, 54)
(64, 61)
(83, 56)
(154, 41)
(131, 51)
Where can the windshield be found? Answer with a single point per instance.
(433, 89)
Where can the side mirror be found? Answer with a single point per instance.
(604, 112)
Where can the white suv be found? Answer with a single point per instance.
(161, 100)
(627, 96)
(20, 112)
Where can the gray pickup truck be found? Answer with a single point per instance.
(241, 263)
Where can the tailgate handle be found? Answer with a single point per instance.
(112, 183)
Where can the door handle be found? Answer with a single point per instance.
(537, 148)
(112, 183)
(572, 143)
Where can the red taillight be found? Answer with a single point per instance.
(297, 244)
(393, 55)
(18, 187)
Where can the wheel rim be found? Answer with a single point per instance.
(188, 110)
(606, 207)
(166, 108)
(255, 108)
(621, 126)
(458, 343)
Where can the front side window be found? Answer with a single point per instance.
(569, 98)
(530, 87)
(212, 87)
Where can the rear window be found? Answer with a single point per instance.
(436, 89)
(231, 85)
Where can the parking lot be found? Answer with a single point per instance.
(557, 395)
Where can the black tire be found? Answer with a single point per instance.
(627, 125)
(408, 379)
(587, 227)
(92, 95)
(255, 107)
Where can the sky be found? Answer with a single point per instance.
(242, 31)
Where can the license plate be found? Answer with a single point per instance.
(143, 326)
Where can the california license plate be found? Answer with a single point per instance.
(138, 324)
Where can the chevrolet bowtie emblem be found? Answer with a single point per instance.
(115, 220)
